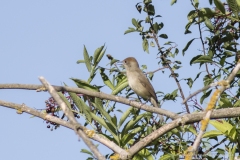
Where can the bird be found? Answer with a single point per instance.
(138, 82)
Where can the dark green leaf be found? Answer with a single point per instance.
(234, 7)
(194, 58)
(186, 47)
(130, 125)
(163, 36)
(222, 61)
(124, 116)
(205, 96)
(209, 24)
(106, 79)
(155, 27)
(171, 96)
(130, 30)
(147, 1)
(151, 10)
(196, 3)
(219, 5)
(100, 56)
(145, 45)
(97, 54)
(178, 62)
(86, 59)
(99, 105)
(203, 59)
(122, 84)
(197, 76)
(134, 22)
(189, 82)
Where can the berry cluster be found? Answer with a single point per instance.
(53, 108)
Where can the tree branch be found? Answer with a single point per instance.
(94, 94)
(72, 119)
(24, 108)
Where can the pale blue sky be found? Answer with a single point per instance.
(46, 38)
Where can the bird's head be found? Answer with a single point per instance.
(130, 64)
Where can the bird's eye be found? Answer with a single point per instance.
(125, 61)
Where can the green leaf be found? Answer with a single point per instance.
(212, 133)
(147, 1)
(134, 22)
(205, 96)
(124, 116)
(237, 104)
(145, 45)
(219, 5)
(127, 138)
(100, 56)
(129, 126)
(97, 54)
(106, 125)
(86, 151)
(80, 61)
(144, 153)
(209, 24)
(155, 27)
(86, 59)
(98, 104)
(226, 128)
(163, 36)
(171, 96)
(196, 3)
(231, 153)
(113, 61)
(173, 1)
(197, 76)
(194, 58)
(202, 59)
(225, 102)
(85, 85)
(207, 12)
(64, 99)
(120, 86)
(152, 44)
(151, 10)
(168, 156)
(130, 30)
(105, 79)
(233, 6)
(186, 47)
(189, 82)
(92, 74)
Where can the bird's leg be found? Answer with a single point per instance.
(139, 99)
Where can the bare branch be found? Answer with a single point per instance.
(95, 94)
(200, 90)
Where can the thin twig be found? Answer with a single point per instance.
(200, 90)
(171, 70)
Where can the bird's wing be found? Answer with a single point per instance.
(146, 83)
